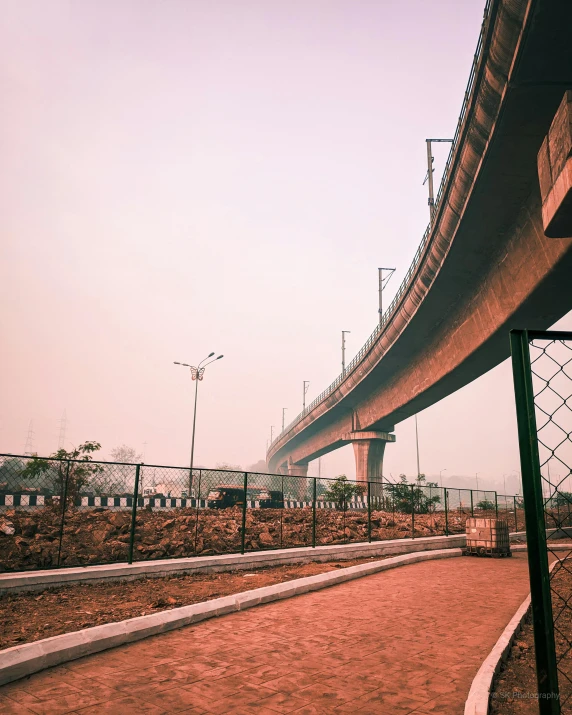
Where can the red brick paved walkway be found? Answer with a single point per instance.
(408, 640)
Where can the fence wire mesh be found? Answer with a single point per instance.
(80, 513)
(551, 368)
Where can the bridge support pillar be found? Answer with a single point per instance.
(299, 486)
(368, 449)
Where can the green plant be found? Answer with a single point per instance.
(486, 504)
(417, 497)
(342, 491)
(62, 475)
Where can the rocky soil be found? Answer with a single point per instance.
(27, 617)
(31, 539)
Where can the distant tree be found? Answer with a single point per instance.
(259, 466)
(121, 477)
(228, 467)
(11, 469)
(54, 471)
(561, 498)
(126, 454)
(342, 491)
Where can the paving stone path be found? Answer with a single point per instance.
(409, 640)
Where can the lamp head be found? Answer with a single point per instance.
(219, 357)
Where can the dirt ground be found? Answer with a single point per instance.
(27, 617)
(31, 539)
(516, 688)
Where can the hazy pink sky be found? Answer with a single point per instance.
(187, 176)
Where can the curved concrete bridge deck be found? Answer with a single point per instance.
(485, 265)
(408, 640)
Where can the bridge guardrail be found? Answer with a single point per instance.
(421, 249)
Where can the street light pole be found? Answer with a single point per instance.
(477, 478)
(441, 477)
(283, 414)
(344, 350)
(382, 285)
(306, 386)
(197, 374)
(271, 434)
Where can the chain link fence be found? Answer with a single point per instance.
(79, 513)
(542, 367)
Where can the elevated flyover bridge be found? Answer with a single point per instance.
(497, 254)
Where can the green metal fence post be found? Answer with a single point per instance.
(197, 502)
(369, 511)
(446, 514)
(134, 513)
(543, 625)
(412, 513)
(64, 499)
(515, 515)
(282, 510)
(496, 506)
(472, 507)
(243, 534)
(314, 514)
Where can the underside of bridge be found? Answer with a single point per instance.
(488, 265)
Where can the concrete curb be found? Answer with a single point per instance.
(20, 581)
(479, 695)
(23, 660)
(478, 702)
(14, 582)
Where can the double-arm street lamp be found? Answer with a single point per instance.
(197, 374)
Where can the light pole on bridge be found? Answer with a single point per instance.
(283, 416)
(382, 283)
(306, 386)
(344, 350)
(197, 374)
(430, 171)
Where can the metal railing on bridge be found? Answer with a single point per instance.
(421, 249)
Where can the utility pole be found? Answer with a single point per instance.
(306, 386)
(62, 437)
(29, 447)
(417, 445)
(283, 415)
(344, 350)
(429, 177)
(271, 434)
(382, 283)
(477, 478)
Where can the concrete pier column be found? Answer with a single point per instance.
(298, 486)
(368, 449)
